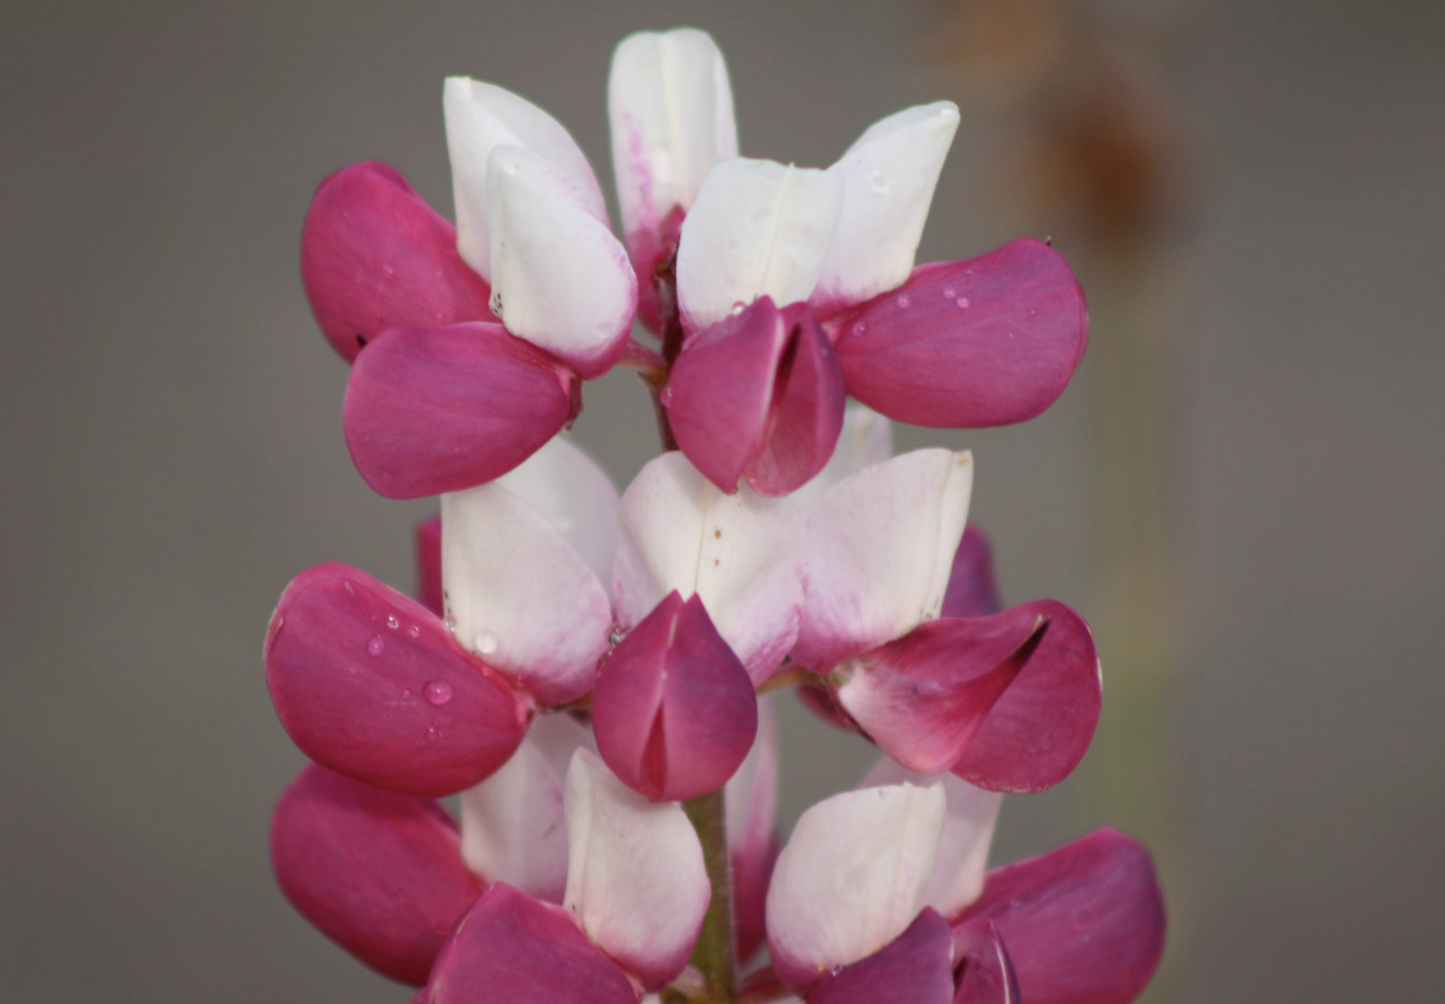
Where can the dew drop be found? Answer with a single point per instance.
(860, 328)
(739, 306)
(414, 631)
(904, 302)
(450, 623)
(949, 292)
(878, 181)
(376, 646)
(438, 692)
(433, 734)
(393, 623)
(486, 643)
(388, 271)
(407, 695)
(963, 303)
(667, 394)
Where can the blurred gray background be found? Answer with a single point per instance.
(173, 455)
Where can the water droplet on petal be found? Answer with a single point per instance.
(860, 329)
(450, 623)
(963, 302)
(414, 631)
(667, 394)
(739, 306)
(433, 734)
(486, 643)
(388, 271)
(904, 302)
(878, 181)
(438, 692)
(949, 292)
(376, 646)
(393, 623)
(406, 694)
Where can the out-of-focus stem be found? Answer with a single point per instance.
(713, 955)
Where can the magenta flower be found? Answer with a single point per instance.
(589, 671)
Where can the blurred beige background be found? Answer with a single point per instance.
(173, 455)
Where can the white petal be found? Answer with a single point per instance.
(635, 873)
(888, 176)
(880, 546)
(671, 109)
(849, 880)
(482, 116)
(866, 439)
(757, 228)
(559, 278)
(513, 826)
(741, 553)
(968, 822)
(752, 792)
(520, 596)
(576, 496)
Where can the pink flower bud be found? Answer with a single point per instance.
(374, 256)
(962, 345)
(432, 410)
(674, 709)
(378, 873)
(369, 683)
(758, 395)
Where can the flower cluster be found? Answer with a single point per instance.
(592, 671)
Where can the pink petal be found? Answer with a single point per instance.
(971, 588)
(719, 398)
(560, 279)
(879, 546)
(849, 880)
(635, 876)
(751, 803)
(377, 873)
(888, 175)
(963, 345)
(520, 596)
(374, 256)
(429, 563)
(369, 683)
(930, 699)
(512, 948)
(513, 826)
(924, 697)
(916, 966)
(432, 410)
(671, 111)
(1083, 924)
(807, 414)
(674, 709)
(988, 975)
(479, 118)
(968, 822)
(741, 553)
(1040, 728)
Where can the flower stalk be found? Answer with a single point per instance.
(714, 956)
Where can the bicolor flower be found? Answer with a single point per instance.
(987, 341)
(476, 337)
(881, 893)
(1008, 701)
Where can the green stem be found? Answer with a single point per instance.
(713, 955)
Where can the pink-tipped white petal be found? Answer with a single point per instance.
(739, 552)
(757, 228)
(635, 875)
(866, 439)
(968, 824)
(480, 117)
(559, 278)
(880, 547)
(671, 111)
(888, 179)
(519, 596)
(850, 879)
(575, 495)
(513, 826)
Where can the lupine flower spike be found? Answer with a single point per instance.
(592, 671)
